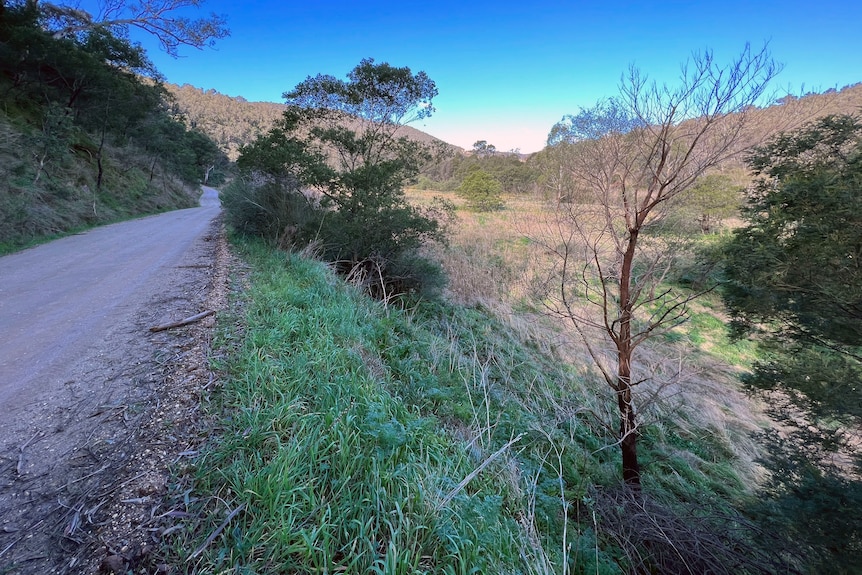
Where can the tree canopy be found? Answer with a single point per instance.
(794, 279)
(796, 264)
(159, 18)
(482, 191)
(75, 99)
(340, 139)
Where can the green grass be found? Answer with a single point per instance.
(707, 331)
(363, 439)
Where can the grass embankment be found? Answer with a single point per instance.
(358, 438)
(61, 197)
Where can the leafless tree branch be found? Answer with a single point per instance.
(634, 154)
(157, 17)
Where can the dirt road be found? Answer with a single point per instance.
(81, 375)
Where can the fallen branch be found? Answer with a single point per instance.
(20, 467)
(183, 322)
(477, 471)
(215, 533)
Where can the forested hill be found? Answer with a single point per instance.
(86, 135)
(790, 112)
(230, 122)
(234, 121)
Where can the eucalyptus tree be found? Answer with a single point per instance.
(159, 18)
(339, 140)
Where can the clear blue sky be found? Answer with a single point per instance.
(507, 71)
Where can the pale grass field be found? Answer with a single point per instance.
(490, 262)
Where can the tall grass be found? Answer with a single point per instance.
(344, 445)
(360, 438)
(693, 370)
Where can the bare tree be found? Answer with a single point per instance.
(633, 154)
(157, 17)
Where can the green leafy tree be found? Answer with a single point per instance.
(794, 278)
(482, 149)
(796, 264)
(94, 92)
(482, 191)
(267, 200)
(341, 139)
(553, 178)
(51, 143)
(514, 174)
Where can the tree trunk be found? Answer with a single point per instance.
(99, 167)
(625, 350)
(41, 167)
(628, 439)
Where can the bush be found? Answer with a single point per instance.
(281, 215)
(363, 222)
(482, 192)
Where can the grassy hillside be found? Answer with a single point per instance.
(66, 197)
(85, 136)
(452, 438)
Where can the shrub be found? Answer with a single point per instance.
(482, 192)
(341, 139)
(270, 211)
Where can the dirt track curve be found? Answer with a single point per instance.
(81, 376)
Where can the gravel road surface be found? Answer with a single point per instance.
(58, 300)
(80, 374)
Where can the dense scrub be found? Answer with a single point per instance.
(794, 284)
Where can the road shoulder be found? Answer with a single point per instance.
(83, 478)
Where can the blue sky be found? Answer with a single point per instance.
(507, 71)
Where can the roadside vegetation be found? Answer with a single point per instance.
(371, 425)
(362, 437)
(482, 362)
(86, 133)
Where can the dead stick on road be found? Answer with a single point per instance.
(183, 322)
(20, 466)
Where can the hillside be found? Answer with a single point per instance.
(234, 121)
(790, 112)
(85, 136)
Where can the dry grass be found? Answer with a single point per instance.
(490, 261)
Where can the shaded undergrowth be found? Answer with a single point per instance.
(66, 197)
